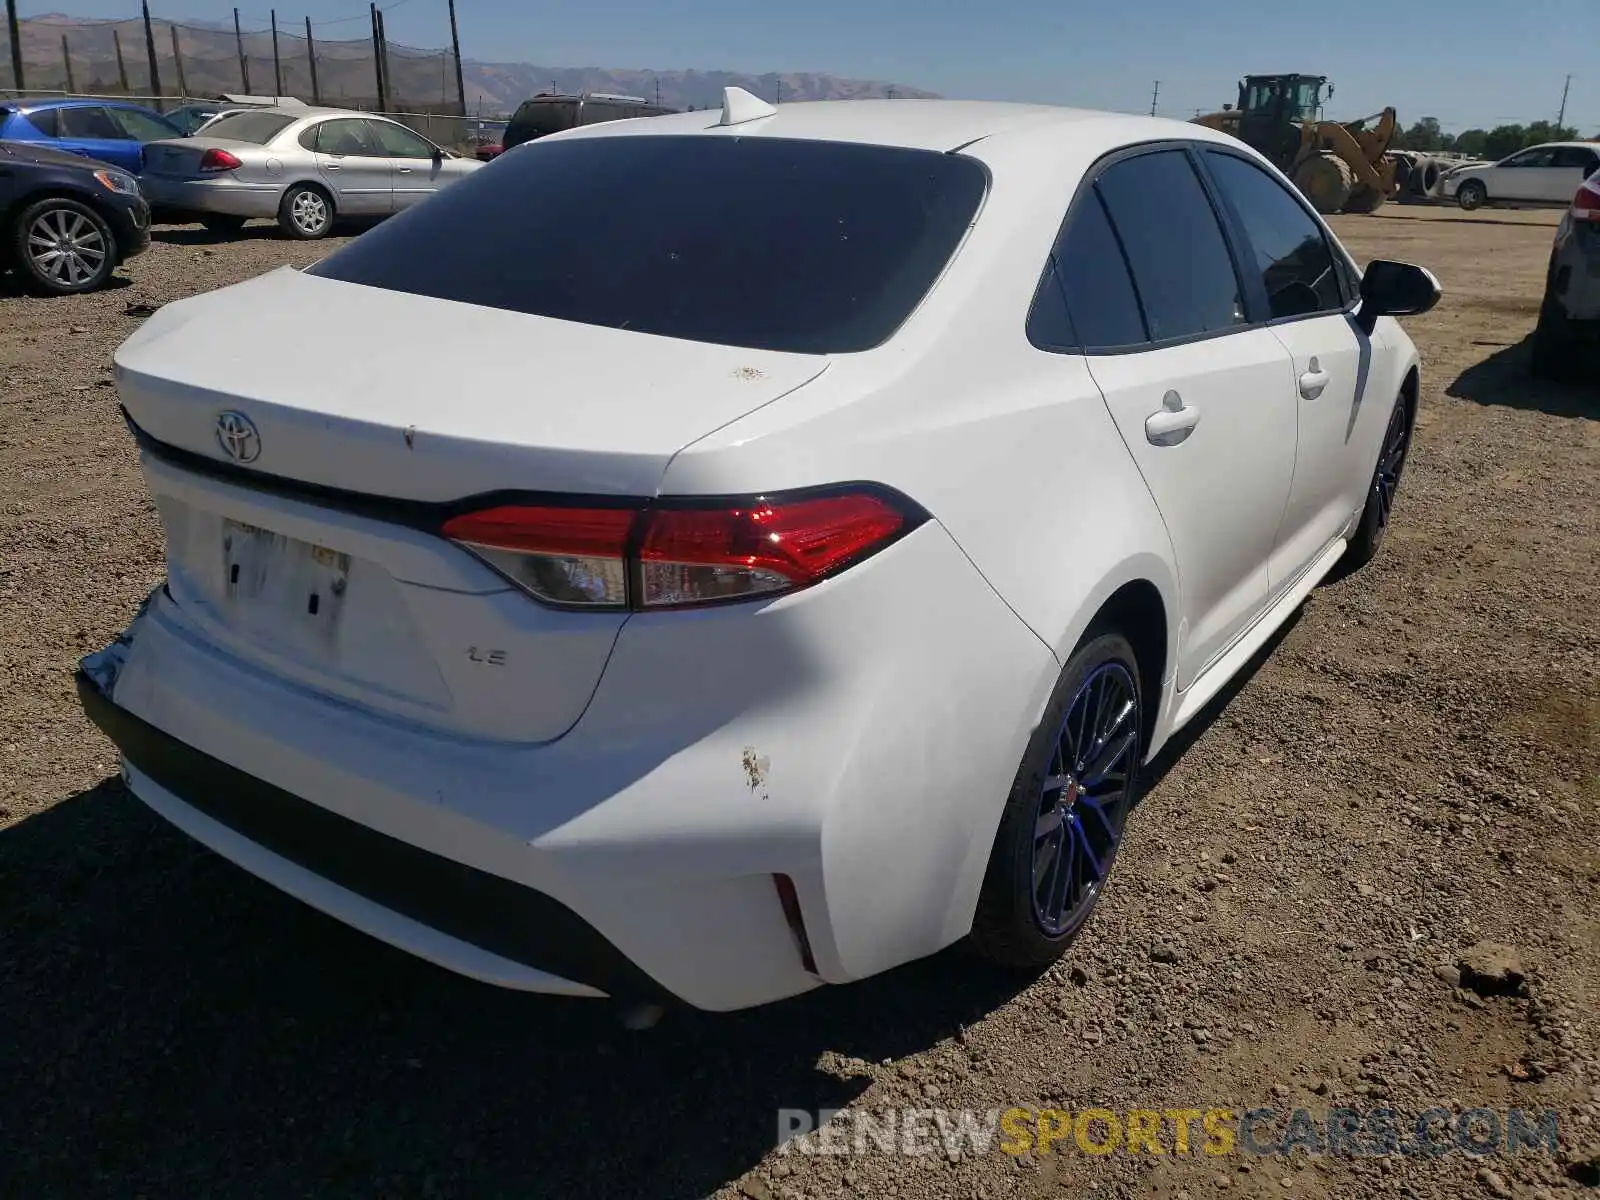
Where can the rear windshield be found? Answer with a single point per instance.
(256, 127)
(807, 246)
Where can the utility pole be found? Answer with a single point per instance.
(383, 49)
(16, 44)
(1153, 97)
(277, 65)
(66, 58)
(244, 63)
(377, 57)
(1562, 115)
(455, 49)
(122, 63)
(311, 55)
(150, 52)
(177, 59)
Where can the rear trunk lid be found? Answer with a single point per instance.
(180, 158)
(391, 396)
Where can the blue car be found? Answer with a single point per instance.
(108, 130)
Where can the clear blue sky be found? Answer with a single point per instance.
(1467, 62)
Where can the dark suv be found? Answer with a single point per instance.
(548, 113)
(1568, 333)
(67, 222)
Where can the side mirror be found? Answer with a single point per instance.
(1395, 289)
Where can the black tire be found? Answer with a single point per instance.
(1472, 195)
(63, 247)
(1554, 352)
(1383, 491)
(222, 223)
(305, 213)
(1008, 928)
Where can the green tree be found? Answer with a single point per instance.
(1424, 135)
(1471, 141)
(1504, 140)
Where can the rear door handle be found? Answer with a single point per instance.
(1313, 381)
(331, 166)
(1172, 423)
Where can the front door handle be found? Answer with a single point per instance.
(1313, 381)
(1172, 423)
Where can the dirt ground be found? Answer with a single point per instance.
(1414, 766)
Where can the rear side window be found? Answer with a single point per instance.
(1174, 245)
(90, 121)
(1094, 275)
(771, 243)
(46, 121)
(1575, 156)
(256, 127)
(1287, 247)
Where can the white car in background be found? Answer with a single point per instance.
(304, 167)
(874, 488)
(1539, 175)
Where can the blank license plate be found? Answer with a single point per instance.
(293, 584)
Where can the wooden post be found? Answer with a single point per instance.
(455, 49)
(66, 58)
(311, 54)
(122, 65)
(277, 65)
(383, 52)
(244, 63)
(177, 58)
(15, 29)
(150, 52)
(377, 60)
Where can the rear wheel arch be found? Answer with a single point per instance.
(1138, 612)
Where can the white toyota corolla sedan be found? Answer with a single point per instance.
(860, 494)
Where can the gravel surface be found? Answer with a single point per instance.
(1413, 770)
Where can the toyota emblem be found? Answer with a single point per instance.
(236, 434)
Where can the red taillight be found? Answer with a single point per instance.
(673, 554)
(1586, 204)
(219, 160)
(689, 556)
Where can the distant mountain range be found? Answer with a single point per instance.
(421, 80)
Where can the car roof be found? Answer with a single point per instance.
(71, 102)
(912, 124)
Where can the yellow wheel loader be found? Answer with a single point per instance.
(1341, 167)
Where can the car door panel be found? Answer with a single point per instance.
(1222, 487)
(354, 167)
(1203, 404)
(1299, 287)
(88, 130)
(418, 170)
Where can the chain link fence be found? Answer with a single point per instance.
(112, 59)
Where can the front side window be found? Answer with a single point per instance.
(142, 127)
(90, 121)
(1174, 245)
(771, 243)
(1287, 247)
(1529, 158)
(399, 142)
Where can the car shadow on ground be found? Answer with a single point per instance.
(1506, 378)
(12, 287)
(255, 231)
(172, 1026)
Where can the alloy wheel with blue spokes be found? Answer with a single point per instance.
(1084, 800)
(1386, 480)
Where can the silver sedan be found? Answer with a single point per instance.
(301, 169)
